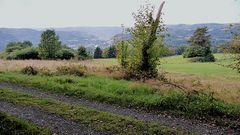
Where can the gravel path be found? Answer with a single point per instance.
(54, 122)
(192, 126)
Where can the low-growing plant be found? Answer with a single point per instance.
(76, 70)
(30, 70)
(111, 69)
(45, 71)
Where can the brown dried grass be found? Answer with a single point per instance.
(224, 88)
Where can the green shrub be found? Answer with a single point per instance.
(29, 70)
(82, 53)
(76, 70)
(27, 53)
(194, 51)
(64, 54)
(13, 48)
(208, 58)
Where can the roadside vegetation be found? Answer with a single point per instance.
(123, 93)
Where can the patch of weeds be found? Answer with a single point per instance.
(45, 71)
(30, 70)
(65, 80)
(76, 70)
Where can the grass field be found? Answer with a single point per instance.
(210, 77)
(177, 64)
(100, 85)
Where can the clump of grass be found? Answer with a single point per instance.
(77, 70)
(45, 71)
(15, 126)
(30, 70)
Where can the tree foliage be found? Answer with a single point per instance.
(12, 46)
(200, 46)
(82, 53)
(112, 52)
(20, 50)
(49, 45)
(234, 50)
(145, 44)
(98, 53)
(26, 53)
(65, 54)
(122, 53)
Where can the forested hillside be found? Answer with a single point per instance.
(102, 36)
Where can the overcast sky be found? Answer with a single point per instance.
(65, 13)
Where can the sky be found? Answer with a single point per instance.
(69, 13)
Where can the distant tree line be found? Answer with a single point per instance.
(51, 48)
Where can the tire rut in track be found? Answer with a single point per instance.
(192, 126)
(55, 123)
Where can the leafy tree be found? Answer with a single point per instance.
(122, 55)
(112, 52)
(145, 44)
(98, 53)
(105, 52)
(49, 45)
(82, 53)
(27, 44)
(12, 46)
(200, 46)
(234, 49)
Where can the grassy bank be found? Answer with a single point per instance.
(124, 93)
(14, 126)
(99, 121)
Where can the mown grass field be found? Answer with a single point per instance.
(177, 64)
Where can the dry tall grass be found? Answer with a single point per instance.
(16, 65)
(224, 89)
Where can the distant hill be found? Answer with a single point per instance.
(180, 33)
(103, 33)
(71, 38)
(102, 36)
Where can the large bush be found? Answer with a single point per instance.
(64, 54)
(12, 46)
(27, 53)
